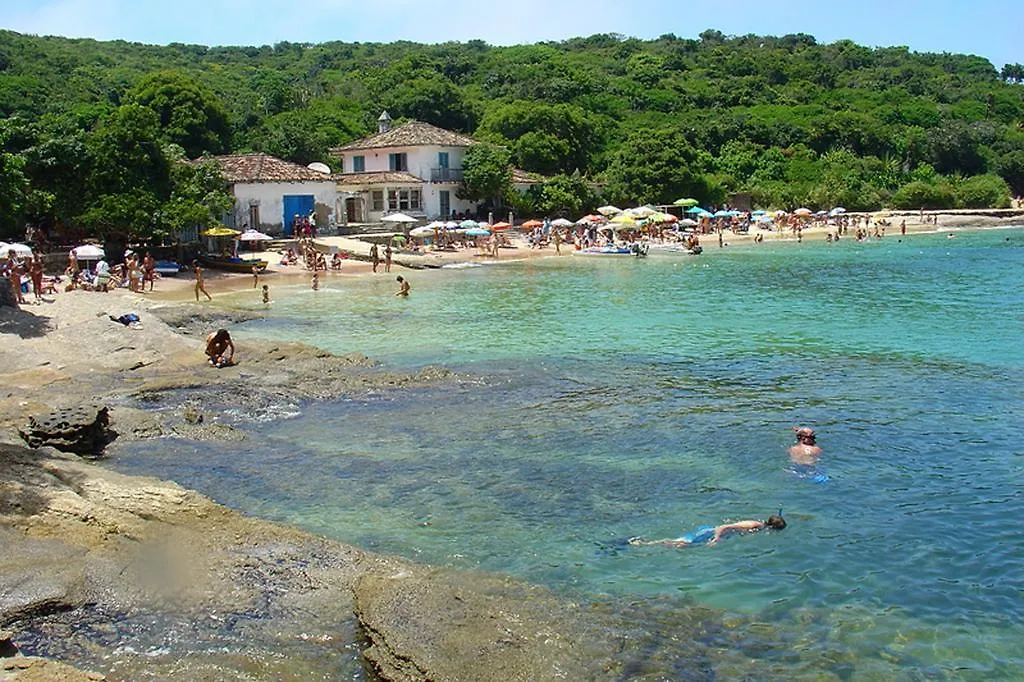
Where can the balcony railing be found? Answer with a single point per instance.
(446, 175)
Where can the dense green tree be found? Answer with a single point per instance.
(1011, 167)
(487, 173)
(656, 167)
(433, 100)
(983, 191)
(190, 115)
(918, 194)
(14, 187)
(567, 196)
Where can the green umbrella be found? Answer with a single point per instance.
(398, 239)
(686, 202)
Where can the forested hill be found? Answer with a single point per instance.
(788, 119)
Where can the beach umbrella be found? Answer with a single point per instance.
(695, 210)
(532, 224)
(468, 224)
(686, 202)
(759, 212)
(399, 218)
(561, 222)
(18, 249)
(436, 225)
(609, 210)
(398, 239)
(500, 226)
(451, 225)
(764, 219)
(641, 211)
(88, 252)
(253, 236)
(688, 222)
(722, 214)
(624, 219)
(220, 231)
(803, 212)
(780, 212)
(425, 231)
(477, 232)
(838, 210)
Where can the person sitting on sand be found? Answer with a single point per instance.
(709, 535)
(220, 349)
(403, 286)
(806, 450)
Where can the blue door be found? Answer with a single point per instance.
(296, 205)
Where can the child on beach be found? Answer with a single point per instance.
(709, 535)
(266, 294)
(220, 349)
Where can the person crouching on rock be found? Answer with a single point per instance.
(220, 348)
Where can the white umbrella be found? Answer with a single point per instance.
(253, 236)
(609, 210)
(838, 210)
(687, 222)
(88, 252)
(425, 231)
(803, 212)
(641, 211)
(399, 218)
(18, 249)
(561, 222)
(451, 225)
(436, 225)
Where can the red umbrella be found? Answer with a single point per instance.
(500, 226)
(533, 223)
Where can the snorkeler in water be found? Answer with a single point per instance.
(709, 535)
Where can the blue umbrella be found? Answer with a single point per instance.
(476, 232)
(706, 214)
(759, 212)
(467, 224)
(723, 214)
(695, 209)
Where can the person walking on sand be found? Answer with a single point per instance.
(374, 256)
(710, 535)
(387, 258)
(403, 287)
(806, 450)
(200, 282)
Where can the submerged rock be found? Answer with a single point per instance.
(81, 430)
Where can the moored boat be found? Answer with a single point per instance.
(233, 264)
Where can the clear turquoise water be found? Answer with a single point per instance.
(604, 398)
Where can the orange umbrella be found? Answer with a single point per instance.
(533, 223)
(500, 226)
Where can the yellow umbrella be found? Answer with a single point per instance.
(624, 219)
(220, 232)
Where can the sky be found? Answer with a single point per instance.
(989, 28)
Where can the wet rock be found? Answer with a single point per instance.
(433, 624)
(8, 299)
(34, 669)
(38, 577)
(7, 646)
(81, 430)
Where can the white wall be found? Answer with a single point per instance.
(422, 159)
(269, 195)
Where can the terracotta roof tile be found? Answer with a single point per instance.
(263, 168)
(378, 178)
(408, 135)
(521, 177)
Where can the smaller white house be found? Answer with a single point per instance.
(270, 193)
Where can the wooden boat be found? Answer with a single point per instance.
(232, 264)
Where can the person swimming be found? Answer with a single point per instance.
(806, 450)
(709, 535)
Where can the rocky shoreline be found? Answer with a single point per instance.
(142, 579)
(130, 577)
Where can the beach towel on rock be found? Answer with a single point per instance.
(128, 320)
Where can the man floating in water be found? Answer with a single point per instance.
(709, 535)
(805, 454)
(806, 450)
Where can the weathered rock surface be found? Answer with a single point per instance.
(8, 298)
(35, 669)
(80, 429)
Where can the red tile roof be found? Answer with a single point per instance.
(378, 178)
(263, 168)
(521, 177)
(408, 135)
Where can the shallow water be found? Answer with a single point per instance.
(607, 398)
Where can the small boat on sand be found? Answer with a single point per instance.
(232, 264)
(167, 268)
(637, 250)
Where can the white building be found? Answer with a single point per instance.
(414, 168)
(270, 193)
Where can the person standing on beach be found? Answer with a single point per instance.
(387, 258)
(148, 271)
(266, 294)
(403, 287)
(903, 224)
(315, 284)
(255, 275)
(200, 283)
(806, 450)
(374, 256)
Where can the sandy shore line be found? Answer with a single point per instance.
(181, 287)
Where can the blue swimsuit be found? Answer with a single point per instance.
(699, 536)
